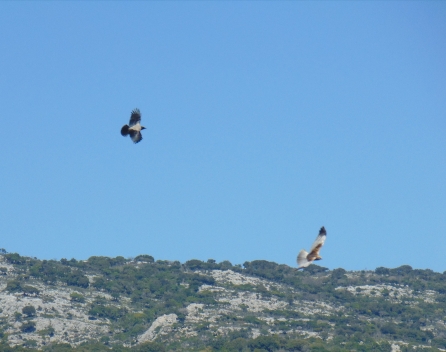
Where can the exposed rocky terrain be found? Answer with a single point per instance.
(193, 305)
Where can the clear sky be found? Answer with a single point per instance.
(265, 121)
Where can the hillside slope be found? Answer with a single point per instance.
(147, 305)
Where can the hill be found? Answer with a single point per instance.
(139, 304)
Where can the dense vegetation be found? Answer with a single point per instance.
(230, 344)
(366, 322)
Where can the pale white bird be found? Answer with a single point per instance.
(134, 127)
(304, 258)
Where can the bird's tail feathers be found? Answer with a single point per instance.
(302, 261)
(125, 130)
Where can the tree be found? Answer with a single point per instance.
(28, 327)
(389, 329)
(29, 311)
(77, 279)
(338, 273)
(144, 258)
(15, 258)
(195, 264)
(268, 343)
(295, 345)
(150, 347)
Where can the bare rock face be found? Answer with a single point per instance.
(64, 320)
(161, 326)
(213, 303)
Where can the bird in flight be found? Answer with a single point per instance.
(304, 258)
(134, 128)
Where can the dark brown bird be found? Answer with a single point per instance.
(304, 258)
(134, 128)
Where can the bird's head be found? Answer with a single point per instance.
(318, 258)
(143, 128)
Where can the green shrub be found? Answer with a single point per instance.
(28, 327)
(389, 329)
(144, 258)
(30, 290)
(13, 286)
(29, 311)
(48, 331)
(77, 297)
(15, 258)
(107, 311)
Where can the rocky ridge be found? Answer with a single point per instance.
(234, 301)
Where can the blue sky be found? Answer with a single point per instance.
(265, 121)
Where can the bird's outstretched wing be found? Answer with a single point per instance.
(319, 242)
(304, 258)
(135, 136)
(302, 261)
(135, 117)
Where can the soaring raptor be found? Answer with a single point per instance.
(304, 258)
(134, 127)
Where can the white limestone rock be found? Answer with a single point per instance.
(161, 325)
